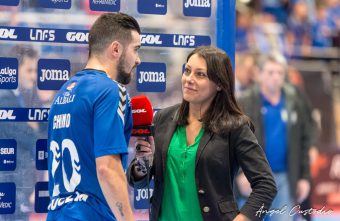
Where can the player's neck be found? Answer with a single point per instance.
(101, 64)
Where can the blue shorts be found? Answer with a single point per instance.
(79, 211)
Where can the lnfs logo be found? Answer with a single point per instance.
(61, 4)
(107, 5)
(53, 73)
(37, 34)
(151, 77)
(8, 73)
(8, 34)
(198, 8)
(158, 7)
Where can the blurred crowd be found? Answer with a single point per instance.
(293, 27)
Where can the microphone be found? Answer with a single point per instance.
(142, 116)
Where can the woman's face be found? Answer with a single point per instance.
(196, 86)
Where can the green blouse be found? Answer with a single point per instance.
(180, 200)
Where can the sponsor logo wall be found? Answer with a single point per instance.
(59, 31)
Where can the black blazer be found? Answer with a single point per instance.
(217, 161)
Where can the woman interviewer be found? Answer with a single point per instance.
(198, 147)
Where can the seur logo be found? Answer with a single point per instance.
(151, 77)
(8, 154)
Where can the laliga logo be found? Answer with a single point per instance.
(197, 3)
(42, 35)
(150, 76)
(184, 40)
(150, 39)
(8, 33)
(77, 37)
(7, 115)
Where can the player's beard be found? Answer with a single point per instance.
(123, 77)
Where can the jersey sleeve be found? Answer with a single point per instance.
(109, 137)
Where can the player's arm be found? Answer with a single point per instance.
(113, 183)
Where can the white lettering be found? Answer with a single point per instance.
(54, 75)
(38, 114)
(151, 39)
(197, 3)
(143, 194)
(7, 115)
(61, 121)
(42, 35)
(104, 2)
(6, 151)
(149, 76)
(5, 205)
(57, 202)
(8, 33)
(77, 36)
(64, 99)
(184, 40)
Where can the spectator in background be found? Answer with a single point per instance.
(299, 28)
(277, 8)
(23, 132)
(282, 129)
(321, 30)
(245, 69)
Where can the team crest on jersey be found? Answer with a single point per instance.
(71, 86)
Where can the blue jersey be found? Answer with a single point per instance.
(90, 117)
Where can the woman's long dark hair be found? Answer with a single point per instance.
(224, 114)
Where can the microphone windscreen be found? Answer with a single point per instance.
(142, 112)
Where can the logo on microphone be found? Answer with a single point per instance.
(8, 73)
(158, 7)
(107, 5)
(53, 73)
(8, 154)
(151, 77)
(197, 8)
(61, 4)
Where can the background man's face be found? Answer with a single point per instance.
(28, 73)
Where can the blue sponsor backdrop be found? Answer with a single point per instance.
(8, 73)
(53, 73)
(157, 7)
(105, 5)
(9, 2)
(201, 8)
(141, 198)
(41, 197)
(7, 198)
(61, 4)
(59, 31)
(8, 154)
(151, 77)
(24, 114)
(41, 154)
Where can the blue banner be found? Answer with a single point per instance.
(24, 114)
(81, 37)
(61, 4)
(41, 154)
(157, 7)
(42, 198)
(197, 8)
(9, 2)
(105, 5)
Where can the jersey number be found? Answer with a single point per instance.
(57, 160)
